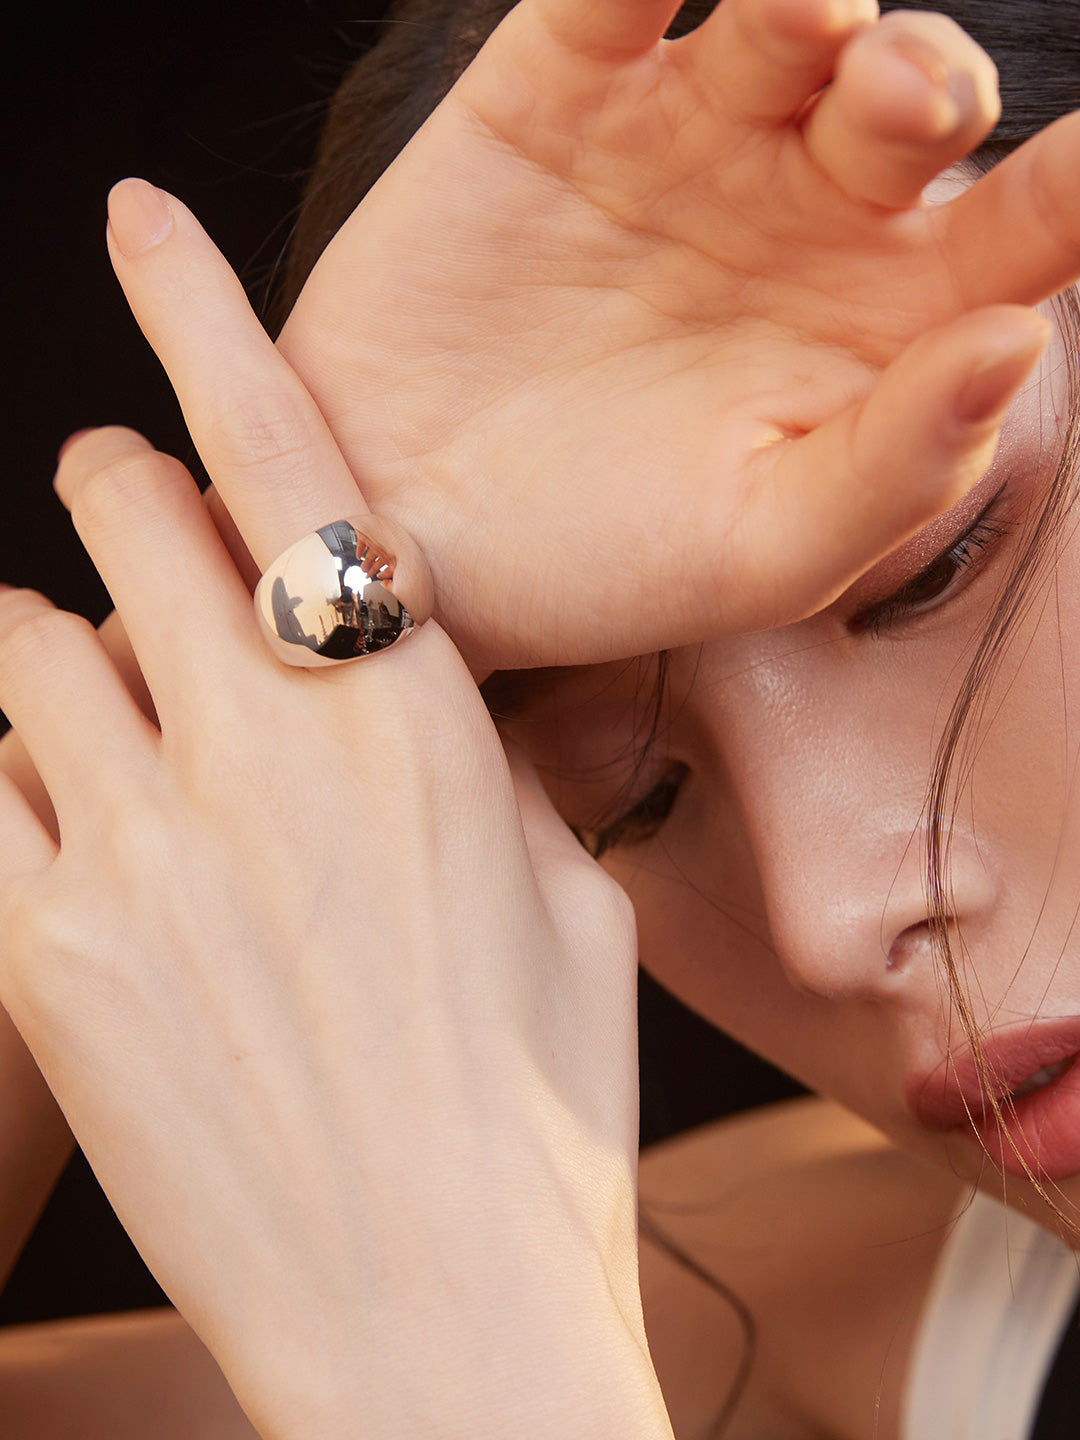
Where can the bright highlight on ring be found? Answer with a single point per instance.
(344, 592)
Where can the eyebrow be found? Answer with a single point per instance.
(896, 598)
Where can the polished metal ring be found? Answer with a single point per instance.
(345, 591)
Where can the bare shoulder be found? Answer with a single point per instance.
(825, 1237)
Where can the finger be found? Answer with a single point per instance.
(1015, 234)
(15, 760)
(154, 543)
(231, 538)
(26, 847)
(19, 769)
(261, 436)
(767, 57)
(64, 696)
(224, 524)
(596, 29)
(912, 95)
(871, 477)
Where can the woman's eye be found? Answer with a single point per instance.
(945, 576)
(641, 821)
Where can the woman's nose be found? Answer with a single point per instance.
(832, 796)
(846, 903)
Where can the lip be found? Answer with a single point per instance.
(1039, 1131)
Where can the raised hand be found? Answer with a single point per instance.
(340, 1012)
(651, 340)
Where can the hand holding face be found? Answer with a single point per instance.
(651, 341)
(340, 1012)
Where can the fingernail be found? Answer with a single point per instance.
(139, 216)
(843, 15)
(66, 446)
(947, 103)
(916, 51)
(992, 384)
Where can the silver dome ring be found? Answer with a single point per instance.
(344, 592)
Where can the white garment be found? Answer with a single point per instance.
(1001, 1294)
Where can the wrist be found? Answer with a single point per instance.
(544, 1345)
(582, 1383)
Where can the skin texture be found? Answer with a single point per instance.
(267, 1011)
(490, 968)
(724, 321)
(827, 1236)
(823, 1230)
(784, 895)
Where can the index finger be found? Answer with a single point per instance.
(1014, 236)
(261, 437)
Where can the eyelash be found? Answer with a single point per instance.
(907, 603)
(644, 819)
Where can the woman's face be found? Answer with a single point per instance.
(783, 894)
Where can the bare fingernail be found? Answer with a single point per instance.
(924, 57)
(843, 15)
(947, 102)
(139, 216)
(991, 386)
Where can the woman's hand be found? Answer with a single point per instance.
(340, 1012)
(647, 341)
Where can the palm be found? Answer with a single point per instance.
(595, 302)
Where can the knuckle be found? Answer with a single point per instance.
(262, 429)
(87, 449)
(594, 905)
(122, 483)
(114, 440)
(35, 929)
(38, 631)
(615, 906)
(48, 943)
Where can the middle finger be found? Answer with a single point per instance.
(154, 543)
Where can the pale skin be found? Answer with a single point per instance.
(783, 895)
(878, 462)
(825, 1232)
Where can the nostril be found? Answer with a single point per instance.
(908, 945)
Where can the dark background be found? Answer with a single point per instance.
(221, 104)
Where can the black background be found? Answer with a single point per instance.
(221, 104)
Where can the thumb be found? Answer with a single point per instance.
(872, 476)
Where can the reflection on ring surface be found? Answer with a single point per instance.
(331, 594)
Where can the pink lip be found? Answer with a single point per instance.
(1040, 1130)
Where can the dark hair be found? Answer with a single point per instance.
(423, 47)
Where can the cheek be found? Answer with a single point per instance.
(702, 927)
(709, 946)
(1023, 794)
